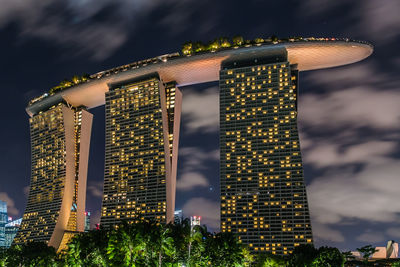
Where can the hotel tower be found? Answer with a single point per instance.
(263, 194)
(142, 124)
(60, 139)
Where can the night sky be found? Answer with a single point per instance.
(349, 117)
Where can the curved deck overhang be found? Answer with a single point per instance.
(205, 67)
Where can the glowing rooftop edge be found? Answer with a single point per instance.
(204, 67)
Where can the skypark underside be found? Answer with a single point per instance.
(205, 67)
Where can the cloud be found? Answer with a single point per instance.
(196, 157)
(378, 19)
(352, 108)
(368, 195)
(95, 188)
(200, 110)
(207, 209)
(393, 233)
(190, 180)
(326, 154)
(93, 27)
(195, 161)
(371, 237)
(26, 190)
(94, 219)
(11, 209)
(324, 232)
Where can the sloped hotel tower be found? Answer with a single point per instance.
(142, 131)
(60, 139)
(263, 195)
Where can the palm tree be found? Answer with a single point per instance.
(88, 249)
(127, 245)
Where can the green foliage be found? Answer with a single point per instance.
(68, 83)
(328, 257)
(237, 40)
(366, 252)
(190, 48)
(303, 255)
(187, 48)
(395, 264)
(152, 244)
(199, 47)
(348, 255)
(31, 254)
(171, 245)
(88, 249)
(270, 260)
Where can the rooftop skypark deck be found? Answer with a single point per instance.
(191, 67)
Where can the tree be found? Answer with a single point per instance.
(259, 40)
(199, 47)
(274, 39)
(224, 249)
(348, 255)
(187, 48)
(88, 249)
(126, 246)
(237, 40)
(31, 254)
(328, 257)
(270, 260)
(224, 42)
(214, 45)
(366, 252)
(303, 255)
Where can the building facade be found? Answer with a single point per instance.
(60, 139)
(142, 130)
(12, 228)
(263, 196)
(3, 222)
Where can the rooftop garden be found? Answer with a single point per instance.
(75, 80)
(190, 48)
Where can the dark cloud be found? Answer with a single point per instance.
(201, 110)
(95, 189)
(195, 161)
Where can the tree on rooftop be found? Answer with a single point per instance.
(214, 45)
(274, 39)
(237, 40)
(199, 47)
(187, 48)
(259, 40)
(224, 42)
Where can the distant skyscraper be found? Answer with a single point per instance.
(3, 222)
(11, 231)
(87, 221)
(195, 220)
(142, 128)
(263, 196)
(178, 216)
(60, 138)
